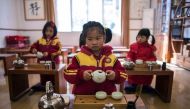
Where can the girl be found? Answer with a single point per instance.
(141, 49)
(50, 47)
(94, 55)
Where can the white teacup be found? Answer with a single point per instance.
(117, 95)
(154, 62)
(148, 62)
(139, 61)
(42, 62)
(101, 95)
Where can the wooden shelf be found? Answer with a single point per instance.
(178, 22)
(177, 40)
(186, 6)
(186, 26)
(181, 18)
(187, 17)
(174, 6)
(178, 18)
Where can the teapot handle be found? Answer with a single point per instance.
(62, 99)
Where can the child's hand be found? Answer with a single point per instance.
(110, 75)
(87, 75)
(34, 50)
(45, 54)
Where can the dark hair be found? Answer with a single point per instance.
(108, 35)
(50, 24)
(153, 40)
(86, 27)
(146, 32)
(91, 24)
(81, 41)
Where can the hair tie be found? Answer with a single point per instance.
(52, 23)
(105, 30)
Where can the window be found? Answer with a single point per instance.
(72, 14)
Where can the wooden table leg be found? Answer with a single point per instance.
(8, 63)
(164, 87)
(60, 83)
(18, 85)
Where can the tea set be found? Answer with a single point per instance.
(103, 95)
(99, 76)
(129, 65)
(139, 61)
(18, 63)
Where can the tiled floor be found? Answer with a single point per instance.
(180, 93)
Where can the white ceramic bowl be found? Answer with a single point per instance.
(154, 62)
(117, 95)
(42, 62)
(139, 61)
(148, 62)
(101, 95)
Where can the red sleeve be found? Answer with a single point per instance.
(153, 48)
(34, 45)
(131, 54)
(121, 75)
(153, 55)
(72, 73)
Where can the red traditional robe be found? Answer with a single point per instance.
(85, 60)
(145, 52)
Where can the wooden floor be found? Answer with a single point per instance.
(180, 93)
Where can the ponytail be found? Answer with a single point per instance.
(108, 35)
(153, 40)
(81, 40)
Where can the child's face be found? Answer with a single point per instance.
(141, 39)
(49, 32)
(94, 39)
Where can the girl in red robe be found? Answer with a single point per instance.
(50, 47)
(143, 50)
(94, 55)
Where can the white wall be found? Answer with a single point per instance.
(8, 19)
(141, 16)
(12, 19)
(33, 29)
(9, 15)
(22, 23)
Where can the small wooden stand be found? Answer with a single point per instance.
(145, 66)
(90, 102)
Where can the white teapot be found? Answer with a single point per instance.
(98, 76)
(39, 54)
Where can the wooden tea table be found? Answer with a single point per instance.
(164, 80)
(18, 78)
(7, 61)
